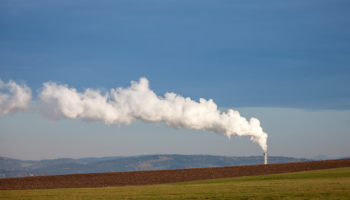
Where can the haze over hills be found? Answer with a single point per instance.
(19, 168)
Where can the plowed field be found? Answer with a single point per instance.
(115, 179)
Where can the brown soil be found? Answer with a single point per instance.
(116, 179)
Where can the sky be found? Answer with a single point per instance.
(285, 63)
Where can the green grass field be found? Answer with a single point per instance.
(320, 184)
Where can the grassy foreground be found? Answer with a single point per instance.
(320, 184)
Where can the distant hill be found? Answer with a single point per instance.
(19, 168)
(320, 157)
(95, 159)
(9, 163)
(323, 157)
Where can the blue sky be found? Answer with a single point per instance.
(292, 56)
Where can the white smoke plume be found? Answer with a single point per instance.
(137, 102)
(16, 98)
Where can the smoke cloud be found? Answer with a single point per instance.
(122, 106)
(15, 98)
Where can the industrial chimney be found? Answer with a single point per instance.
(265, 158)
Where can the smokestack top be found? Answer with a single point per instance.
(265, 158)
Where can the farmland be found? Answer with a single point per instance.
(153, 177)
(317, 184)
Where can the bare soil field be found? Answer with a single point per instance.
(137, 178)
